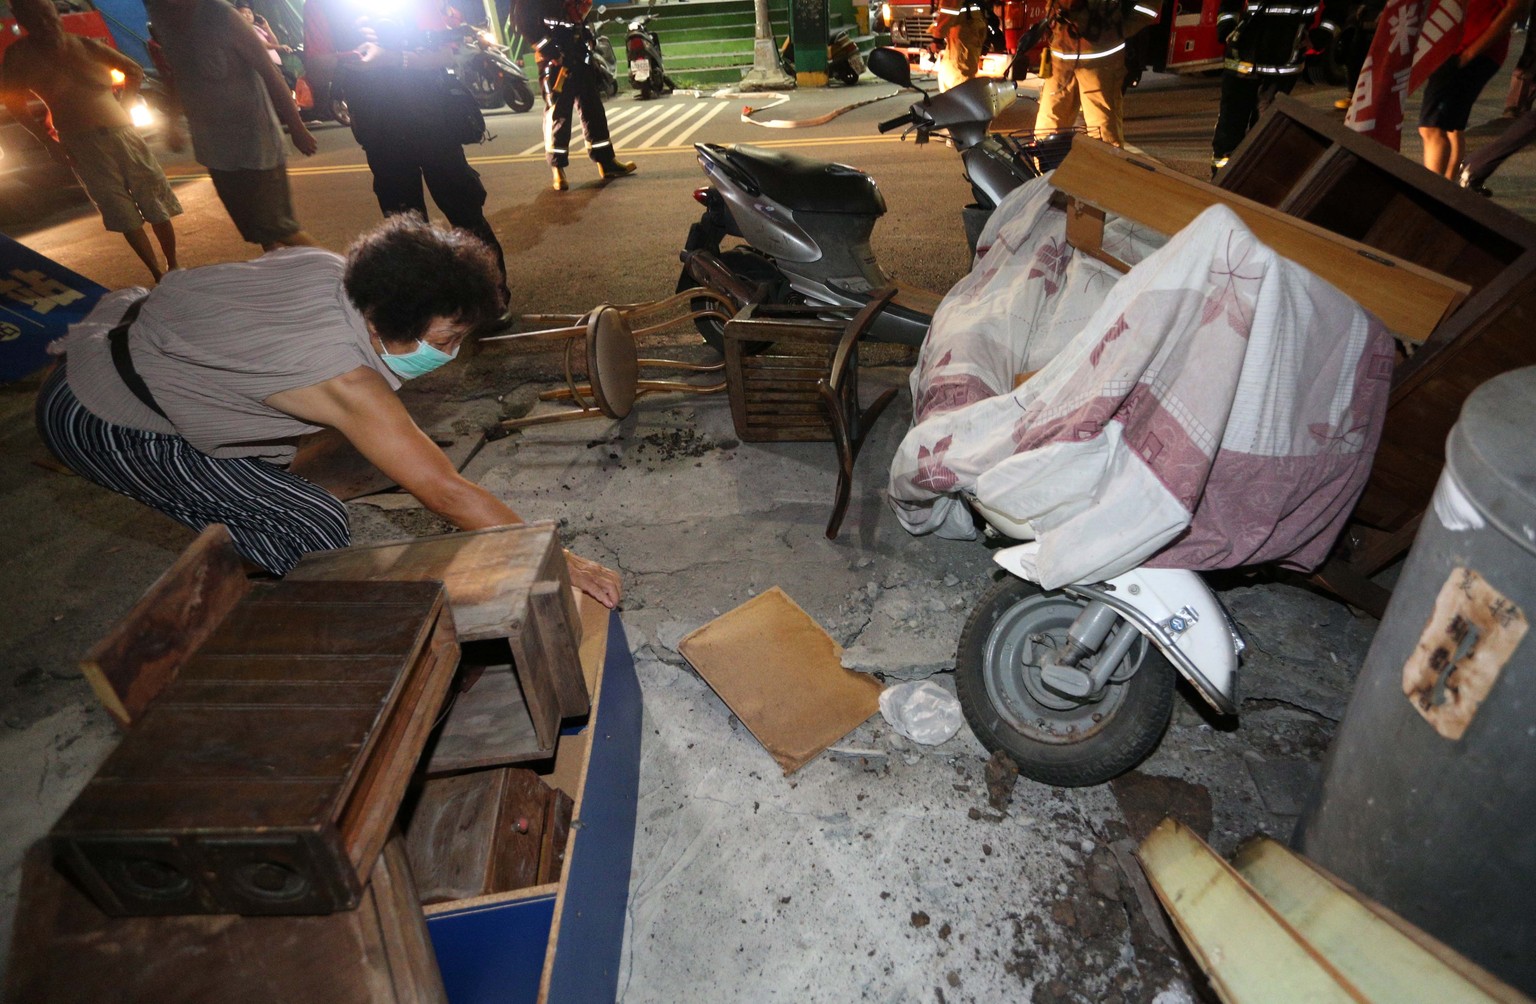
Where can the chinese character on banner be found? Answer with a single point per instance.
(1413, 37)
(39, 300)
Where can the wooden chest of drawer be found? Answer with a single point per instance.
(265, 777)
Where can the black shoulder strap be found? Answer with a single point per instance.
(118, 339)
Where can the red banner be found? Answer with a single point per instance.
(1413, 37)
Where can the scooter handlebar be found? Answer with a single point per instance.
(897, 122)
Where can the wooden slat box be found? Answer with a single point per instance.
(560, 941)
(265, 777)
(515, 614)
(67, 952)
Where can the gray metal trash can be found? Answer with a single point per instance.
(1428, 798)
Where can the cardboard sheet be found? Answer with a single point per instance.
(782, 675)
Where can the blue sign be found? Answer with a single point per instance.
(39, 300)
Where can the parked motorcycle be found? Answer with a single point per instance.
(844, 63)
(602, 58)
(807, 223)
(489, 73)
(642, 46)
(1076, 684)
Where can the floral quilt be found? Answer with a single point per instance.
(1217, 406)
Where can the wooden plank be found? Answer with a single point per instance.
(488, 726)
(557, 641)
(557, 831)
(487, 572)
(67, 952)
(451, 835)
(1409, 299)
(489, 575)
(1375, 955)
(374, 799)
(521, 837)
(147, 648)
(1249, 951)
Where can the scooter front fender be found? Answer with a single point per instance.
(1175, 609)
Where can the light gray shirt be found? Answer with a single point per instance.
(229, 112)
(213, 343)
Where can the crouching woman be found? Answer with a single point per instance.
(190, 398)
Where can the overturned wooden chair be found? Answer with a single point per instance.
(793, 376)
(606, 337)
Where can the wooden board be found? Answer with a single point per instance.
(783, 677)
(266, 777)
(147, 648)
(1373, 948)
(496, 581)
(68, 952)
(1409, 299)
(1249, 952)
(330, 461)
(488, 724)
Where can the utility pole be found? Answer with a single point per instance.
(766, 73)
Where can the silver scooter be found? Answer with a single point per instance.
(806, 223)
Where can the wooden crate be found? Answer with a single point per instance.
(68, 952)
(559, 939)
(265, 777)
(1304, 163)
(516, 615)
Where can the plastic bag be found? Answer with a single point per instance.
(922, 711)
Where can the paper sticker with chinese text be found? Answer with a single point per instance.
(1471, 633)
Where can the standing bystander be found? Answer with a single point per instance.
(394, 75)
(1453, 88)
(233, 97)
(86, 127)
(558, 31)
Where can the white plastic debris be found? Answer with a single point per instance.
(922, 711)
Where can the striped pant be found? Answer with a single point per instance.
(274, 517)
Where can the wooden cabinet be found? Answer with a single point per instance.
(1304, 163)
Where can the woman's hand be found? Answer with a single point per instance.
(597, 581)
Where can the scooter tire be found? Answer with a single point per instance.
(610, 87)
(745, 262)
(517, 94)
(1060, 742)
(848, 76)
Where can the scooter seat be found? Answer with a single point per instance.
(804, 185)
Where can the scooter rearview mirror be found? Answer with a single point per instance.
(891, 65)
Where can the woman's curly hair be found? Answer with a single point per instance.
(405, 272)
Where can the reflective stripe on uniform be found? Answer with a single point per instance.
(1082, 57)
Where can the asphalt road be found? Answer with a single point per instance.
(614, 242)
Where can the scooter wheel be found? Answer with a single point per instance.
(1055, 739)
(517, 94)
(849, 77)
(747, 263)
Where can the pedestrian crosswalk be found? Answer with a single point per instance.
(651, 125)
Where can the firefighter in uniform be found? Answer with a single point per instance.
(961, 26)
(1266, 49)
(563, 44)
(1084, 65)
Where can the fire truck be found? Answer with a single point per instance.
(1182, 40)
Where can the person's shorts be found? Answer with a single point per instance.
(122, 178)
(258, 202)
(1452, 90)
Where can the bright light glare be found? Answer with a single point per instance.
(117, 78)
(140, 114)
(486, 37)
